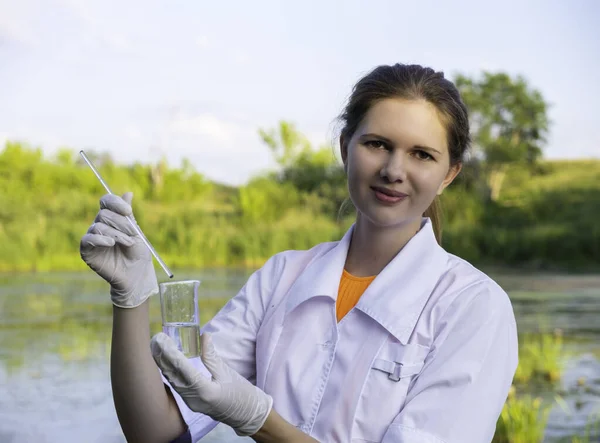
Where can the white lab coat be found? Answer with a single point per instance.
(427, 355)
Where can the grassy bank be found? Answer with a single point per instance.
(543, 219)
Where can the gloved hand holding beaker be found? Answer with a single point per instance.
(113, 250)
(226, 396)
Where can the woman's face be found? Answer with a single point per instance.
(397, 161)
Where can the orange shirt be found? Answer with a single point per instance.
(351, 288)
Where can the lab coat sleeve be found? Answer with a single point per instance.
(462, 388)
(234, 329)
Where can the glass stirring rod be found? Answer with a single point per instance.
(129, 218)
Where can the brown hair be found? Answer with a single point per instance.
(412, 82)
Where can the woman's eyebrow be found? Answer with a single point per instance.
(387, 140)
(380, 137)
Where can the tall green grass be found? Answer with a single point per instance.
(540, 357)
(522, 420)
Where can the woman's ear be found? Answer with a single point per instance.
(450, 176)
(344, 152)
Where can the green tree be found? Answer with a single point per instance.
(312, 171)
(509, 123)
(265, 201)
(286, 143)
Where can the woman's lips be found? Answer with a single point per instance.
(387, 195)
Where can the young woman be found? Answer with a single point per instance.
(382, 336)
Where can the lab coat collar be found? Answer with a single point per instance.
(321, 278)
(396, 296)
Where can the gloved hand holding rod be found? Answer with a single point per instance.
(129, 218)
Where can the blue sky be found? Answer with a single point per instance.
(196, 79)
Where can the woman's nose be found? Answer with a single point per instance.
(395, 168)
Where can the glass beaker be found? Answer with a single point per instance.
(180, 314)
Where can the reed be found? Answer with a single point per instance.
(523, 420)
(540, 357)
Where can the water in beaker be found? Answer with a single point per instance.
(180, 316)
(186, 335)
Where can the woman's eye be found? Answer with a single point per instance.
(422, 155)
(376, 144)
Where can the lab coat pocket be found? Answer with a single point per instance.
(394, 368)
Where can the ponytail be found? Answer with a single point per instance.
(434, 212)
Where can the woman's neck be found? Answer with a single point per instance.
(373, 247)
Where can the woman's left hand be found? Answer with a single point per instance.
(226, 397)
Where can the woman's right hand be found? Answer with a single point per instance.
(112, 249)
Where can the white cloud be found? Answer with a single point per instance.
(241, 58)
(202, 42)
(118, 42)
(226, 149)
(14, 26)
(95, 28)
(133, 133)
(48, 143)
(206, 125)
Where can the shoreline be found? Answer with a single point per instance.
(492, 269)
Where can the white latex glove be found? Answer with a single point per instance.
(113, 250)
(228, 397)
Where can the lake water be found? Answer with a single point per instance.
(55, 342)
